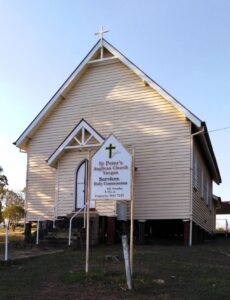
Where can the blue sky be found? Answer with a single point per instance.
(183, 45)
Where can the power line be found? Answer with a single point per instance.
(219, 129)
(183, 137)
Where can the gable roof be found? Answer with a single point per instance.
(209, 153)
(218, 203)
(89, 59)
(84, 142)
(60, 94)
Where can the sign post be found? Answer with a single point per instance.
(127, 261)
(88, 214)
(131, 214)
(6, 239)
(111, 178)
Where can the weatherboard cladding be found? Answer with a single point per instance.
(109, 51)
(116, 55)
(66, 183)
(202, 214)
(59, 151)
(29, 131)
(114, 100)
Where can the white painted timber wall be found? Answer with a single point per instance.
(66, 185)
(204, 214)
(114, 100)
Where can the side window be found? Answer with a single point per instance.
(80, 184)
(210, 202)
(207, 192)
(202, 184)
(195, 172)
(210, 197)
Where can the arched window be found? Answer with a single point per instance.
(81, 184)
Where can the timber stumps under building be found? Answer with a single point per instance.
(174, 159)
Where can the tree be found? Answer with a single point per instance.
(11, 200)
(14, 213)
(12, 197)
(3, 185)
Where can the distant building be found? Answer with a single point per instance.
(174, 160)
(223, 217)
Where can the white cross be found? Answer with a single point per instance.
(100, 33)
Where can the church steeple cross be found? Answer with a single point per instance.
(101, 33)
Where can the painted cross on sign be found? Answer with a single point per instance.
(111, 172)
(110, 148)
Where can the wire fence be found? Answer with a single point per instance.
(222, 226)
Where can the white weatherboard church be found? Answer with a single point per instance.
(175, 165)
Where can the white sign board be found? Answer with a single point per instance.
(111, 172)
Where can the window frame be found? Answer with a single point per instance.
(84, 161)
(195, 172)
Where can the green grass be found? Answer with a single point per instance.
(16, 235)
(160, 272)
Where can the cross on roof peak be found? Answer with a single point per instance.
(101, 32)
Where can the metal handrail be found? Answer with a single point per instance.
(70, 223)
(38, 222)
(54, 219)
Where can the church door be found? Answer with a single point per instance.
(81, 186)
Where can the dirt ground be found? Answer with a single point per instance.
(160, 272)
